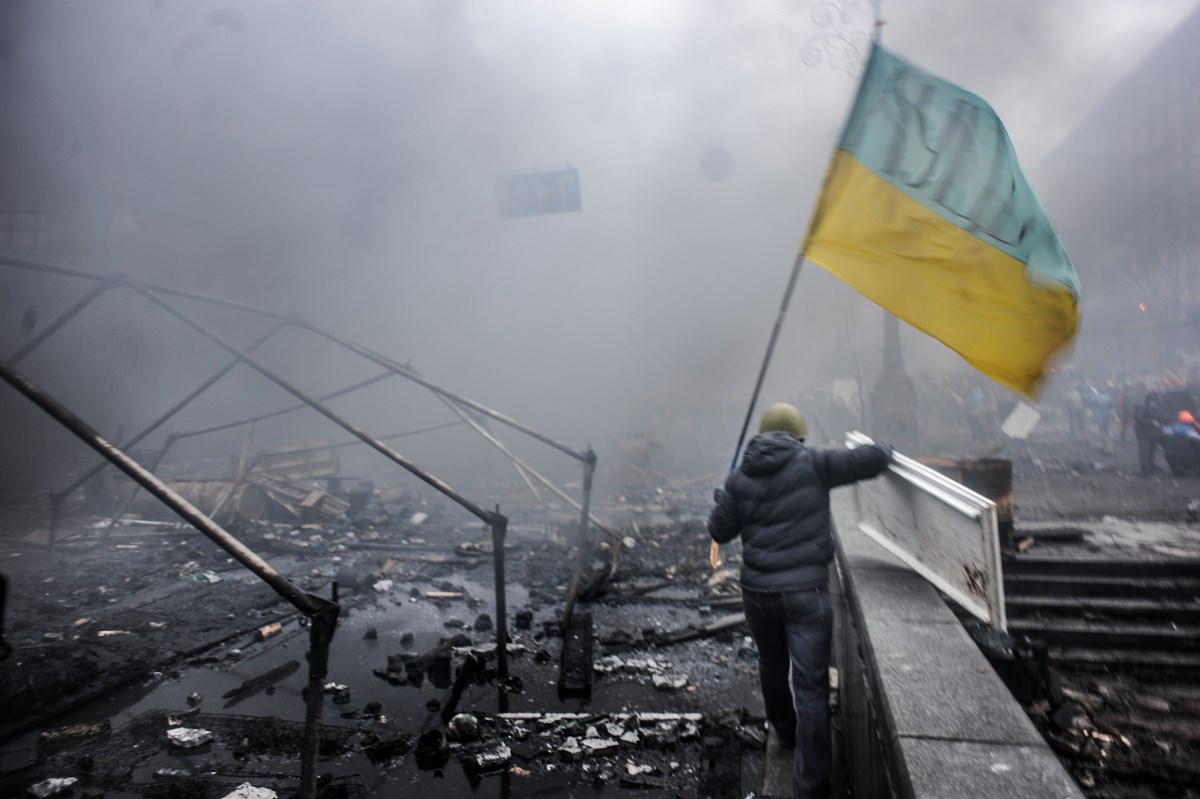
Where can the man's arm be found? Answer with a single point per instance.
(845, 466)
(722, 521)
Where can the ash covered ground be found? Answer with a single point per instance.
(121, 638)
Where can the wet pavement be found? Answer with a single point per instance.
(155, 629)
(372, 723)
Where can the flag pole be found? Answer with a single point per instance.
(762, 372)
(714, 552)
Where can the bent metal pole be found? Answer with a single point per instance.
(496, 521)
(319, 406)
(357, 348)
(411, 374)
(151, 483)
(322, 613)
(62, 319)
(174, 409)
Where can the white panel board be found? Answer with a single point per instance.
(1021, 421)
(943, 530)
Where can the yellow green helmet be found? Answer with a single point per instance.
(784, 417)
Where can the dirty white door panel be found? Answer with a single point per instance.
(943, 530)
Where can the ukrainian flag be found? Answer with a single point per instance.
(925, 211)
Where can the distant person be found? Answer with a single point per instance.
(1181, 445)
(1147, 428)
(1102, 410)
(1075, 411)
(777, 500)
(1185, 425)
(981, 413)
(1125, 407)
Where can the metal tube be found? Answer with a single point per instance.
(357, 443)
(567, 498)
(582, 539)
(191, 295)
(714, 552)
(160, 489)
(162, 453)
(762, 372)
(357, 348)
(563, 495)
(53, 327)
(589, 469)
(499, 531)
(324, 410)
(495, 442)
(176, 408)
(282, 411)
(321, 630)
(411, 374)
(238, 483)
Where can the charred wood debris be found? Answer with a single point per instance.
(135, 598)
(1103, 646)
(1104, 653)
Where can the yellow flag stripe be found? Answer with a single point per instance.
(938, 277)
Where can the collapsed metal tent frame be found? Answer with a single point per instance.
(454, 400)
(323, 613)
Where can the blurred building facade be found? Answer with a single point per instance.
(1124, 192)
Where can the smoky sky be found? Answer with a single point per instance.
(340, 160)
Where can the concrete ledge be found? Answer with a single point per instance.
(923, 713)
(956, 769)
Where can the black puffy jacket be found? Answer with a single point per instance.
(778, 501)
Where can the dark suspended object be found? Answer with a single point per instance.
(716, 164)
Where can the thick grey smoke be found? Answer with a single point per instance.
(340, 159)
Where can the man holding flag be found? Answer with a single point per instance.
(926, 212)
(777, 501)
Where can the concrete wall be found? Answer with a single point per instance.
(923, 713)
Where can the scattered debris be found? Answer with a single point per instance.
(492, 757)
(570, 750)
(340, 693)
(188, 737)
(665, 682)
(74, 732)
(268, 631)
(248, 791)
(462, 728)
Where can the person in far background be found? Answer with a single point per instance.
(1075, 410)
(1126, 405)
(1147, 428)
(777, 500)
(1102, 409)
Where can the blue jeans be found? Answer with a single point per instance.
(793, 632)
